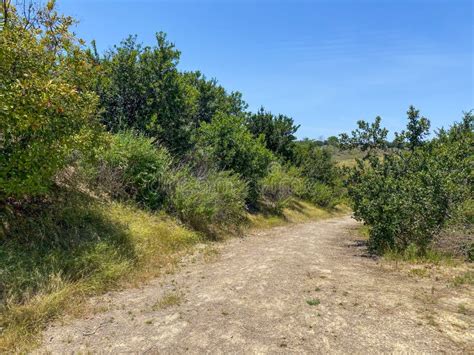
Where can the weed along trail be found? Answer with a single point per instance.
(305, 288)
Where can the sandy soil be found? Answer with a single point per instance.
(304, 288)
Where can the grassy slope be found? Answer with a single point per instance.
(297, 212)
(345, 158)
(84, 247)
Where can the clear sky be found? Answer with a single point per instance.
(325, 63)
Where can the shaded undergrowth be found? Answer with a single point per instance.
(53, 255)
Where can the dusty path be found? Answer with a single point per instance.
(253, 298)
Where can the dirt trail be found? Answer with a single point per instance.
(253, 298)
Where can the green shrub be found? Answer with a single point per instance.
(141, 88)
(142, 170)
(227, 143)
(47, 108)
(279, 186)
(322, 179)
(214, 200)
(322, 195)
(408, 196)
(315, 162)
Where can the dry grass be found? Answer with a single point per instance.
(297, 212)
(347, 158)
(210, 253)
(168, 300)
(76, 249)
(137, 246)
(465, 278)
(433, 264)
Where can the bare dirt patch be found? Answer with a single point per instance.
(300, 288)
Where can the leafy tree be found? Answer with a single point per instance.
(369, 137)
(122, 88)
(227, 143)
(278, 132)
(212, 98)
(47, 107)
(141, 89)
(417, 129)
(332, 141)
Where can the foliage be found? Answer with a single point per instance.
(278, 132)
(279, 186)
(408, 196)
(315, 162)
(142, 169)
(212, 200)
(332, 141)
(211, 98)
(322, 179)
(321, 194)
(141, 89)
(367, 137)
(227, 143)
(417, 129)
(47, 107)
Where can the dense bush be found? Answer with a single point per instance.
(315, 162)
(212, 200)
(47, 107)
(136, 167)
(457, 238)
(227, 143)
(132, 167)
(279, 186)
(140, 88)
(211, 98)
(407, 196)
(321, 194)
(323, 183)
(278, 132)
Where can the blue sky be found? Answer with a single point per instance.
(325, 63)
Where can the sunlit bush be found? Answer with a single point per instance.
(47, 108)
(212, 200)
(408, 196)
(279, 186)
(227, 144)
(134, 166)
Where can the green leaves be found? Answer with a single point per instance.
(215, 199)
(369, 137)
(278, 132)
(226, 143)
(143, 170)
(140, 88)
(47, 108)
(417, 130)
(407, 196)
(278, 187)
